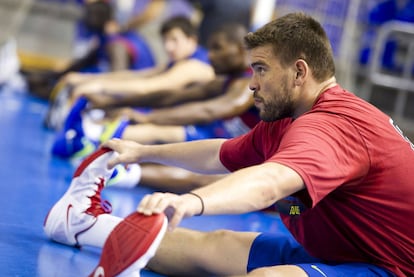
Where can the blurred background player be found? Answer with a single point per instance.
(188, 64)
(110, 48)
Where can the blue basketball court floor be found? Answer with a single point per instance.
(32, 181)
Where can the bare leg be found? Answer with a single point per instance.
(174, 179)
(151, 134)
(186, 252)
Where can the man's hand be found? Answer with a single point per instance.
(128, 152)
(87, 88)
(176, 207)
(75, 78)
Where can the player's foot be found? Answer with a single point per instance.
(72, 145)
(131, 244)
(125, 177)
(114, 129)
(59, 107)
(74, 118)
(78, 209)
(71, 142)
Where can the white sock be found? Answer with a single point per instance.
(91, 126)
(99, 232)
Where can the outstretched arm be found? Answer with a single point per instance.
(180, 75)
(200, 156)
(246, 190)
(81, 63)
(162, 98)
(83, 81)
(249, 189)
(235, 101)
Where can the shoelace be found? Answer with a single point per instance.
(99, 206)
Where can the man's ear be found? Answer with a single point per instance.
(302, 71)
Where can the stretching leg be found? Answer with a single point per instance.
(173, 179)
(186, 252)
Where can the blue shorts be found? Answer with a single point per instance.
(281, 249)
(215, 129)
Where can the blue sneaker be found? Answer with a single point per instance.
(69, 145)
(71, 141)
(114, 129)
(74, 117)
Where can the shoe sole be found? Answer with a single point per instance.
(57, 229)
(131, 245)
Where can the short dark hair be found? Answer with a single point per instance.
(294, 36)
(233, 31)
(97, 14)
(181, 22)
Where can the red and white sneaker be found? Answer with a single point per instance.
(78, 208)
(130, 245)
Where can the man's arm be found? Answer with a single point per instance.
(202, 156)
(163, 98)
(118, 56)
(250, 189)
(83, 80)
(180, 75)
(246, 190)
(78, 64)
(235, 101)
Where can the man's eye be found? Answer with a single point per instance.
(260, 69)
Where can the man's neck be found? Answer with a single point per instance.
(312, 94)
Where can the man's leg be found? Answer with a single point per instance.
(185, 252)
(174, 179)
(193, 253)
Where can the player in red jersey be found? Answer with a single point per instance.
(338, 169)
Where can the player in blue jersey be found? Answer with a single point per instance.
(115, 48)
(110, 49)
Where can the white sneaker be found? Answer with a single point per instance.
(59, 107)
(78, 208)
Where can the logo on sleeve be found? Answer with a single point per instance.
(290, 206)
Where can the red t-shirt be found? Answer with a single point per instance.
(359, 176)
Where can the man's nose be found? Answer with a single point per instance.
(253, 84)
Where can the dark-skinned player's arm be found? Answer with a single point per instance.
(235, 101)
(167, 98)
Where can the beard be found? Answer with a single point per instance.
(280, 106)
